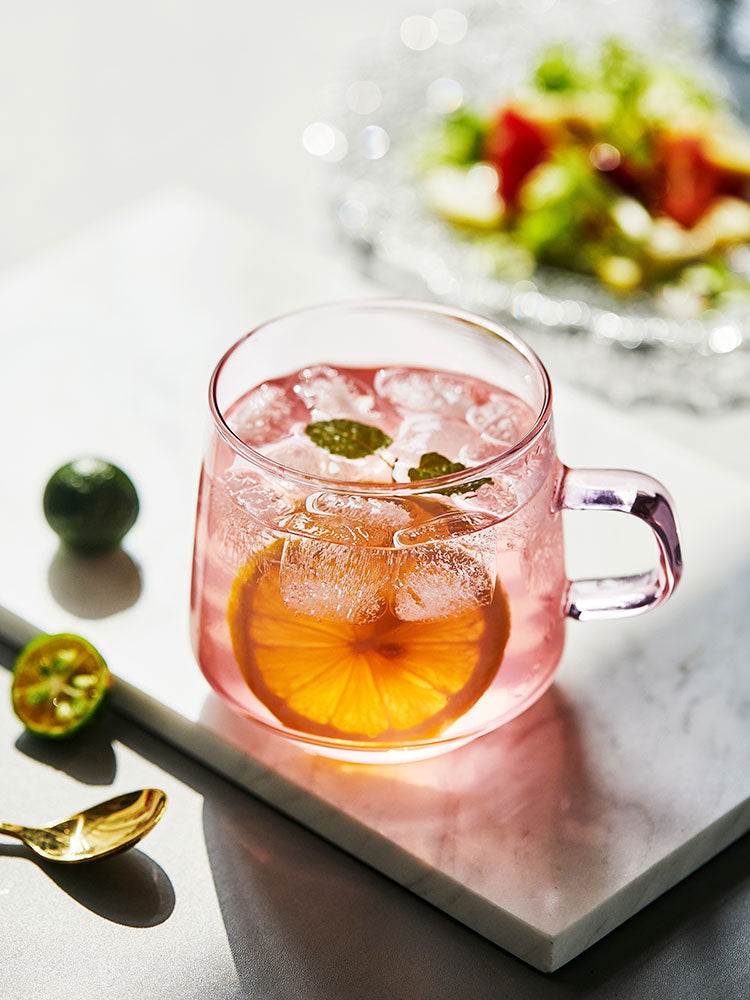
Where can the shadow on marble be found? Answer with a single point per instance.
(129, 888)
(88, 757)
(526, 795)
(305, 918)
(512, 817)
(94, 586)
(337, 930)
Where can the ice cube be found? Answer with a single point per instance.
(422, 433)
(446, 527)
(534, 479)
(343, 568)
(267, 414)
(328, 394)
(499, 497)
(504, 419)
(239, 519)
(265, 498)
(426, 392)
(301, 453)
(439, 581)
(332, 582)
(368, 520)
(479, 450)
(324, 529)
(340, 568)
(370, 469)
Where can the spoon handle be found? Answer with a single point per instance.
(11, 830)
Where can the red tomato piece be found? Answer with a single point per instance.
(691, 182)
(515, 145)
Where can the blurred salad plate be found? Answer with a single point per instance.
(578, 170)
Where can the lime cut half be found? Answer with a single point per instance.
(59, 682)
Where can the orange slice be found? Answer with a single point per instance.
(383, 681)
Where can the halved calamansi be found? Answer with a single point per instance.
(58, 683)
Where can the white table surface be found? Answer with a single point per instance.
(100, 116)
(606, 795)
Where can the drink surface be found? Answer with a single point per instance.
(378, 621)
(463, 418)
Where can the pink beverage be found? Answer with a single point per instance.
(338, 603)
(378, 570)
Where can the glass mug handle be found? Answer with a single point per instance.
(646, 498)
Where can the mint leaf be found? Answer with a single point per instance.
(432, 464)
(347, 437)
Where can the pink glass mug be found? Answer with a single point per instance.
(285, 561)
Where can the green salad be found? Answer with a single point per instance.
(611, 165)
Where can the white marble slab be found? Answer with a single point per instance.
(630, 773)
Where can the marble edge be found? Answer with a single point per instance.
(14, 630)
(642, 890)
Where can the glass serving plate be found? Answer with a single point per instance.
(629, 349)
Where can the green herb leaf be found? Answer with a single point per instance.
(558, 71)
(347, 437)
(433, 464)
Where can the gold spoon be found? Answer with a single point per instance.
(110, 827)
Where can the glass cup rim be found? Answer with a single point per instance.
(495, 463)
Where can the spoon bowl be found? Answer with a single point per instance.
(104, 829)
